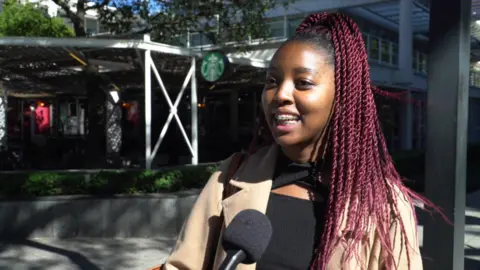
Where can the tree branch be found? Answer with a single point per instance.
(81, 5)
(72, 16)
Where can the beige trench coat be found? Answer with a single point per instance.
(199, 237)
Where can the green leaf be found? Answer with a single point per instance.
(28, 20)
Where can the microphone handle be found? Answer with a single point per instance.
(234, 258)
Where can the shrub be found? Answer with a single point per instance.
(410, 164)
(104, 182)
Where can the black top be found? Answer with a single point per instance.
(296, 223)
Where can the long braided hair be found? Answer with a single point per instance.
(362, 174)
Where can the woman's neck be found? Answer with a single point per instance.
(300, 154)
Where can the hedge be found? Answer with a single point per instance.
(33, 184)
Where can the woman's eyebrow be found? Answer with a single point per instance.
(299, 70)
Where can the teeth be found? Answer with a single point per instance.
(286, 117)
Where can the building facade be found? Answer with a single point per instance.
(396, 40)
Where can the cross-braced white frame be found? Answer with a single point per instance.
(173, 106)
(193, 145)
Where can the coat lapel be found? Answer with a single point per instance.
(254, 180)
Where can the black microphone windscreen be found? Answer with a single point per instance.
(250, 231)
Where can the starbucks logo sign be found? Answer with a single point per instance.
(213, 66)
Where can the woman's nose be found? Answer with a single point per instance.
(284, 94)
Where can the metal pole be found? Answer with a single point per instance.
(447, 120)
(32, 121)
(77, 109)
(3, 118)
(50, 113)
(22, 118)
(148, 107)
(194, 108)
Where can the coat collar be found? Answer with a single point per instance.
(254, 181)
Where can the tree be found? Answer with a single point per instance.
(30, 21)
(167, 20)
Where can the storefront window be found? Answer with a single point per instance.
(374, 47)
(385, 51)
(422, 63)
(419, 119)
(276, 28)
(292, 25)
(198, 39)
(365, 40)
(394, 54)
(415, 61)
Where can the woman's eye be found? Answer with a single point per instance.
(303, 83)
(271, 81)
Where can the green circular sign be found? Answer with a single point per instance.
(213, 66)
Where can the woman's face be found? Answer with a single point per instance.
(298, 94)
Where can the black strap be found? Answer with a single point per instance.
(305, 174)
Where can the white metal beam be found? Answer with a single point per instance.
(259, 58)
(233, 46)
(259, 63)
(111, 65)
(194, 104)
(148, 108)
(96, 43)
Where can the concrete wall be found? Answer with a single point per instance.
(156, 215)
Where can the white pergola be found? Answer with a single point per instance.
(148, 47)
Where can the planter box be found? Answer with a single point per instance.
(152, 215)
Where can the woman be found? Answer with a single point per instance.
(325, 178)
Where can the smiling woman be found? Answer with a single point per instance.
(322, 173)
(298, 97)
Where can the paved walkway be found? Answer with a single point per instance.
(140, 253)
(84, 254)
(472, 232)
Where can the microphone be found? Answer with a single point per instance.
(246, 238)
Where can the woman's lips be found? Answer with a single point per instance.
(285, 123)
